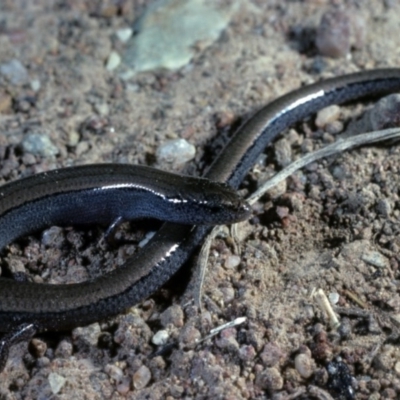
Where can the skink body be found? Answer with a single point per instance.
(41, 307)
(92, 194)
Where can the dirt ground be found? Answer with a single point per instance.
(332, 226)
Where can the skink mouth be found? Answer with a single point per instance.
(236, 208)
(233, 212)
(244, 211)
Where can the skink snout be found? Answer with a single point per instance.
(227, 203)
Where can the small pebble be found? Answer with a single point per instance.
(82, 148)
(15, 72)
(228, 340)
(89, 334)
(374, 258)
(373, 326)
(327, 115)
(56, 382)
(124, 386)
(42, 362)
(397, 368)
(39, 144)
(327, 138)
(177, 392)
(345, 328)
(383, 207)
(224, 119)
(161, 337)
(278, 190)
(206, 319)
(113, 61)
(10, 164)
(35, 85)
(283, 152)
(271, 354)
(294, 138)
(270, 379)
(282, 211)
(141, 377)
(333, 34)
(52, 234)
(126, 334)
(333, 298)
(22, 105)
(307, 146)
(322, 351)
(114, 372)
(232, 261)
(189, 335)
(64, 349)
(334, 127)
(124, 34)
(247, 353)
(5, 102)
(384, 361)
(175, 151)
(228, 294)
(73, 137)
(172, 315)
(304, 365)
(39, 347)
(102, 109)
(386, 113)
(389, 393)
(28, 159)
(16, 266)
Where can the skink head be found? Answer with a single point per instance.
(211, 203)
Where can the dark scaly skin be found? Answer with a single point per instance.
(44, 307)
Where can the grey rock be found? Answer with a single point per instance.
(15, 72)
(169, 31)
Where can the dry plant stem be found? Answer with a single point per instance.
(352, 296)
(201, 266)
(325, 306)
(218, 329)
(334, 148)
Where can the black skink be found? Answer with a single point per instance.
(99, 193)
(104, 193)
(32, 307)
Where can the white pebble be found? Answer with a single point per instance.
(304, 365)
(327, 115)
(374, 258)
(176, 151)
(38, 143)
(161, 337)
(141, 377)
(114, 59)
(15, 72)
(333, 298)
(35, 85)
(114, 372)
(232, 261)
(56, 382)
(397, 368)
(124, 34)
